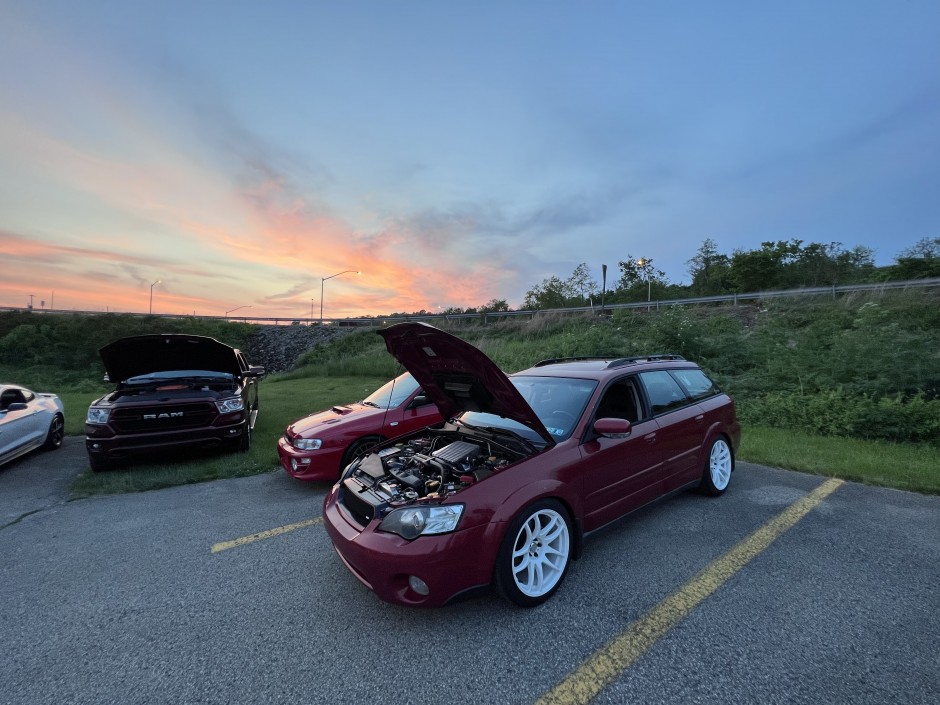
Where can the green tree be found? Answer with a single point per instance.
(551, 293)
(494, 305)
(766, 268)
(919, 261)
(709, 270)
(581, 283)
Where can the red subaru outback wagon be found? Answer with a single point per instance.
(525, 467)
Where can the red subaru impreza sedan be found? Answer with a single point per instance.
(319, 445)
(505, 492)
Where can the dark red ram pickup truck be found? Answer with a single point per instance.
(173, 391)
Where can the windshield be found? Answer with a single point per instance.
(392, 394)
(557, 401)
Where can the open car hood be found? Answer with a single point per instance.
(457, 376)
(143, 354)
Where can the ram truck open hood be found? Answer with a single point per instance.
(457, 376)
(144, 354)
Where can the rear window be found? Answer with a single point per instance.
(696, 383)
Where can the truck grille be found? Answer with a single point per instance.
(162, 418)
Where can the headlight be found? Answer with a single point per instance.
(307, 443)
(227, 406)
(411, 522)
(97, 416)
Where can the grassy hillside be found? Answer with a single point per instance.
(861, 366)
(56, 352)
(849, 387)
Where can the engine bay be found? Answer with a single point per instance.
(426, 467)
(150, 390)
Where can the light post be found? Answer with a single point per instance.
(235, 309)
(647, 264)
(310, 320)
(345, 271)
(151, 294)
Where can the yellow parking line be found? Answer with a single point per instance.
(235, 543)
(610, 661)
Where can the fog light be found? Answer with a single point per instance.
(418, 585)
(293, 464)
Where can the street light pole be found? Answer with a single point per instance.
(647, 264)
(235, 309)
(151, 294)
(310, 320)
(346, 271)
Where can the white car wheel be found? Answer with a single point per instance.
(718, 468)
(535, 554)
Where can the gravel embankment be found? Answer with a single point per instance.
(278, 347)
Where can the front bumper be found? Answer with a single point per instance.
(309, 465)
(449, 564)
(115, 447)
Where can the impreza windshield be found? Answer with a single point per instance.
(392, 394)
(557, 401)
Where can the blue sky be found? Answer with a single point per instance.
(453, 152)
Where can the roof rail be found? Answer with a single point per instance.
(659, 357)
(617, 362)
(586, 358)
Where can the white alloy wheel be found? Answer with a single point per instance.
(718, 471)
(540, 553)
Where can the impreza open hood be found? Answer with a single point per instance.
(457, 376)
(143, 354)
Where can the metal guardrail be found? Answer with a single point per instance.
(487, 317)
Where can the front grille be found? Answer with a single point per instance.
(359, 509)
(162, 418)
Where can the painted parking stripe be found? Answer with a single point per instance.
(244, 540)
(610, 661)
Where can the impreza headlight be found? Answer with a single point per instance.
(412, 522)
(96, 415)
(307, 443)
(228, 406)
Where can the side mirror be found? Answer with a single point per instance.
(419, 400)
(612, 428)
(17, 406)
(255, 371)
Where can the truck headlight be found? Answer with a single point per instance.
(96, 415)
(228, 406)
(412, 522)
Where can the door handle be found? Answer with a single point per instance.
(650, 437)
(699, 418)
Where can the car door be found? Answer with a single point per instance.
(413, 415)
(681, 427)
(620, 474)
(22, 425)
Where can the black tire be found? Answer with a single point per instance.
(357, 448)
(56, 433)
(244, 443)
(542, 532)
(719, 464)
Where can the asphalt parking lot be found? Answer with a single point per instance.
(229, 592)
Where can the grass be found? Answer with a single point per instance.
(282, 401)
(913, 467)
(902, 466)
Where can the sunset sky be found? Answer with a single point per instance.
(454, 152)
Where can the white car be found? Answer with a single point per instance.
(28, 420)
